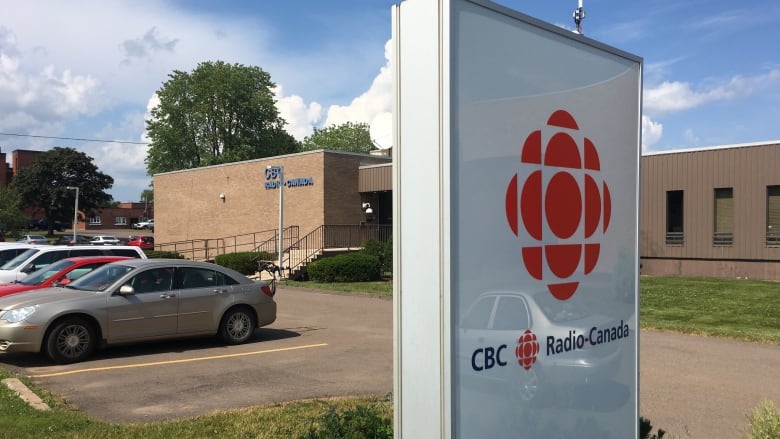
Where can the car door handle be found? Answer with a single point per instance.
(167, 296)
(219, 291)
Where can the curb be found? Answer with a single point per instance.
(26, 394)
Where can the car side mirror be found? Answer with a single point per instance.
(126, 290)
(62, 282)
(28, 269)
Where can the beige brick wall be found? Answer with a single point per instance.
(341, 198)
(188, 206)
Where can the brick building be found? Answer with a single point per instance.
(235, 206)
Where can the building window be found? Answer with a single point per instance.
(674, 218)
(120, 221)
(773, 215)
(724, 217)
(95, 221)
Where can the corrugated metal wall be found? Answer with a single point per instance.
(376, 178)
(746, 169)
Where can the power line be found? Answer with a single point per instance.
(74, 138)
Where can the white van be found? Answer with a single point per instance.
(10, 250)
(37, 257)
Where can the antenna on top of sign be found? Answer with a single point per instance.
(579, 15)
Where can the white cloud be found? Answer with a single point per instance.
(371, 104)
(372, 107)
(300, 116)
(651, 132)
(40, 100)
(691, 137)
(146, 46)
(678, 96)
(153, 101)
(123, 161)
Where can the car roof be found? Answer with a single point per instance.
(87, 259)
(163, 262)
(135, 262)
(82, 247)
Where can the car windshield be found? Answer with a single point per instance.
(46, 272)
(100, 278)
(561, 310)
(19, 259)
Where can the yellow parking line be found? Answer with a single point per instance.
(187, 360)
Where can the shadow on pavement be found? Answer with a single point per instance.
(25, 360)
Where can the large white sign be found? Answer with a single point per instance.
(517, 165)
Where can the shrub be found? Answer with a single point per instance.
(156, 254)
(645, 427)
(382, 251)
(350, 267)
(366, 421)
(243, 262)
(764, 422)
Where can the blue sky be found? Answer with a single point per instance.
(89, 69)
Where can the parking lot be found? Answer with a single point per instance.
(328, 344)
(321, 345)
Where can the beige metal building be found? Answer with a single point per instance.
(712, 212)
(207, 211)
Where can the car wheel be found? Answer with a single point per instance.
(237, 325)
(528, 388)
(70, 341)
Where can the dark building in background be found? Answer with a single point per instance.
(120, 217)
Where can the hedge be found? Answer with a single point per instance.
(243, 262)
(350, 267)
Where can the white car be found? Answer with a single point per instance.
(33, 239)
(36, 257)
(104, 240)
(148, 224)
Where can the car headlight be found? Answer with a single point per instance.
(17, 315)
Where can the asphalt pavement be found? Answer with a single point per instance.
(703, 387)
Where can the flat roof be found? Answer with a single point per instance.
(276, 157)
(713, 148)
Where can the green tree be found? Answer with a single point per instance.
(147, 196)
(218, 113)
(349, 136)
(44, 184)
(11, 217)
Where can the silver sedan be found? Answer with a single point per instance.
(134, 301)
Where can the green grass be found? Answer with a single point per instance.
(739, 309)
(278, 421)
(379, 288)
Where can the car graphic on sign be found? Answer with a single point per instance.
(529, 344)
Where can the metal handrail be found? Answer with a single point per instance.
(206, 249)
(297, 251)
(335, 237)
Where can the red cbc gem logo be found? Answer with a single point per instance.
(527, 349)
(565, 191)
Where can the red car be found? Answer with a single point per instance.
(59, 273)
(145, 242)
